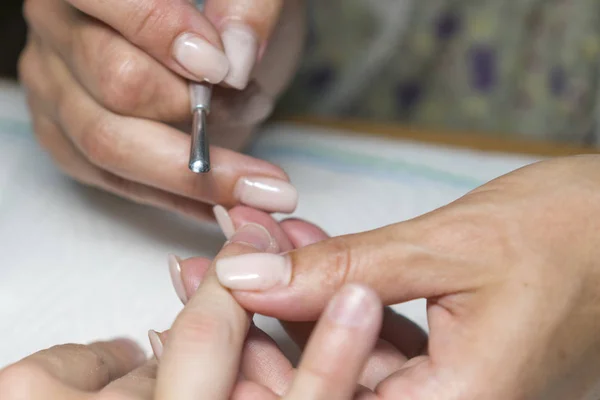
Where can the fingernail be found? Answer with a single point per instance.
(352, 305)
(155, 343)
(267, 194)
(224, 221)
(254, 272)
(200, 58)
(131, 347)
(241, 48)
(175, 272)
(256, 236)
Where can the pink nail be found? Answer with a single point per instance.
(354, 305)
(254, 272)
(175, 272)
(268, 194)
(155, 343)
(241, 48)
(200, 58)
(224, 220)
(256, 236)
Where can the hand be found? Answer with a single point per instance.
(202, 355)
(510, 271)
(105, 83)
(400, 338)
(108, 370)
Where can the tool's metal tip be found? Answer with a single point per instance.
(199, 167)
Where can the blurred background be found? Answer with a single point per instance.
(526, 68)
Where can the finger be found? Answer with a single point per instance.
(241, 216)
(264, 363)
(248, 390)
(90, 367)
(173, 32)
(339, 348)
(138, 384)
(72, 163)
(29, 381)
(245, 30)
(132, 148)
(202, 355)
(383, 361)
(302, 233)
(116, 73)
(186, 275)
(401, 262)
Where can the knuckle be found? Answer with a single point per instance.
(205, 329)
(98, 144)
(19, 380)
(149, 18)
(124, 82)
(341, 262)
(31, 10)
(26, 67)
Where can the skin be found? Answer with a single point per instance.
(511, 275)
(218, 341)
(109, 101)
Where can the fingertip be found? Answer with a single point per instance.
(193, 271)
(241, 215)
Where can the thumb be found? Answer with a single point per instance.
(400, 262)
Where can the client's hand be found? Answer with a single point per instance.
(202, 354)
(208, 354)
(510, 271)
(399, 339)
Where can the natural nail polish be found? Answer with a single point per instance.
(241, 48)
(256, 236)
(200, 58)
(155, 343)
(175, 272)
(224, 221)
(254, 272)
(268, 194)
(353, 306)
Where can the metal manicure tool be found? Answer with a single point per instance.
(200, 94)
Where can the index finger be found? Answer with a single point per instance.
(202, 355)
(87, 367)
(172, 31)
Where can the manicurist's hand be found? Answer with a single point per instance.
(511, 272)
(107, 87)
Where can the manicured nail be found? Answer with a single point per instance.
(200, 58)
(267, 194)
(241, 48)
(352, 306)
(256, 236)
(254, 272)
(224, 221)
(155, 343)
(175, 272)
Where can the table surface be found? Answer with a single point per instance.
(470, 140)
